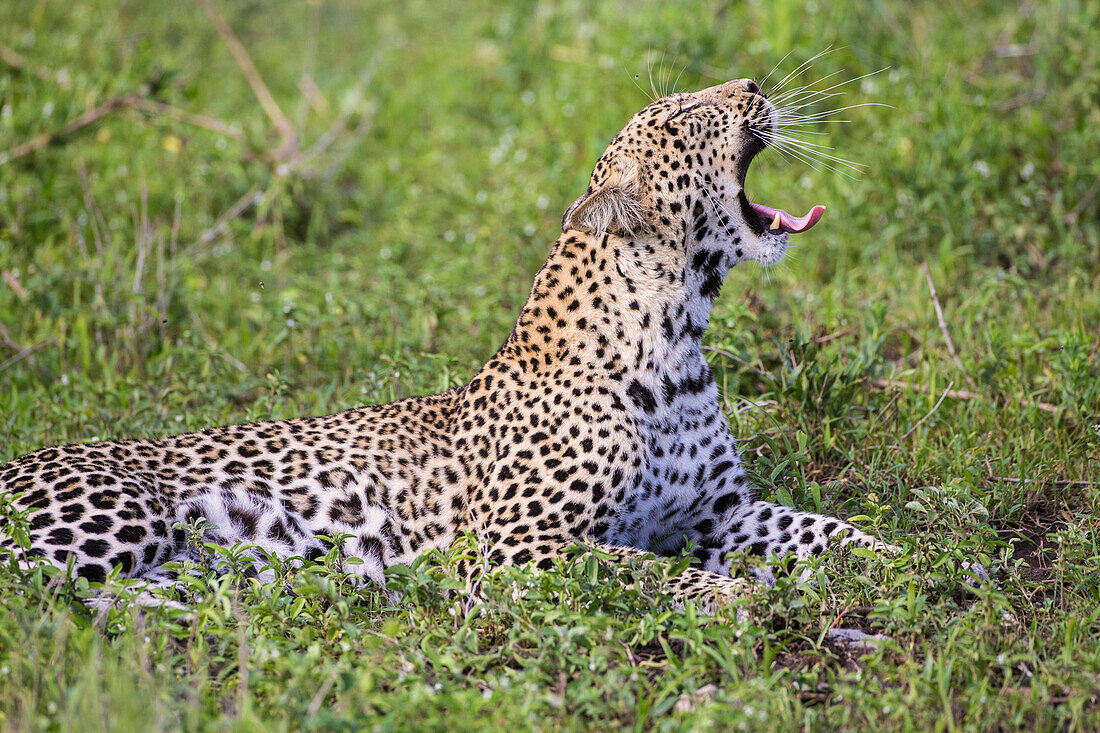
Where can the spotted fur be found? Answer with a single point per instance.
(597, 420)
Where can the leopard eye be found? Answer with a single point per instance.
(684, 108)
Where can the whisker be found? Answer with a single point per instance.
(634, 78)
(803, 143)
(675, 83)
(818, 115)
(816, 151)
(804, 132)
(802, 66)
(777, 64)
(796, 155)
(841, 84)
(814, 161)
(718, 205)
(664, 78)
(814, 123)
(649, 64)
(782, 154)
(791, 92)
(798, 104)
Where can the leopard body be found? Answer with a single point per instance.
(597, 420)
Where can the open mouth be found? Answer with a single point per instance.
(778, 220)
(762, 218)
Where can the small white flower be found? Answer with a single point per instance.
(528, 97)
(982, 168)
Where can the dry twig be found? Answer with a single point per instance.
(956, 394)
(49, 138)
(894, 384)
(930, 412)
(241, 206)
(21, 352)
(1056, 482)
(93, 115)
(13, 283)
(739, 360)
(296, 161)
(1089, 195)
(17, 61)
(191, 118)
(943, 323)
(259, 88)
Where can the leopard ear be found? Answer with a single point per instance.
(613, 204)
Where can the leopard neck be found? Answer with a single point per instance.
(629, 306)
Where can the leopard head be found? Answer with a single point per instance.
(674, 179)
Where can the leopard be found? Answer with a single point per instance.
(598, 421)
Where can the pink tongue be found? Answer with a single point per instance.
(788, 223)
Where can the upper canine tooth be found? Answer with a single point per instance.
(775, 221)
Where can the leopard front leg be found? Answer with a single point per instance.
(772, 530)
(709, 591)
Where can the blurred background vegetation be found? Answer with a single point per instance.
(434, 147)
(181, 248)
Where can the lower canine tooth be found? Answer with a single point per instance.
(775, 221)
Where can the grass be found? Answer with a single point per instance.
(391, 261)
